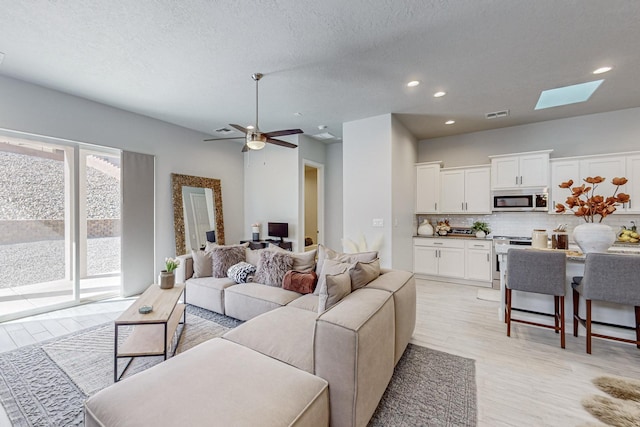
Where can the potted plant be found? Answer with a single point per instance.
(481, 229)
(593, 236)
(167, 277)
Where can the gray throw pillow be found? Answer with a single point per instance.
(334, 288)
(330, 267)
(302, 261)
(272, 268)
(202, 264)
(325, 253)
(223, 257)
(253, 255)
(362, 273)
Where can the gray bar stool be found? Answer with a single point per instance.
(540, 272)
(612, 278)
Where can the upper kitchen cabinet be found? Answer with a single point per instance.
(520, 170)
(465, 190)
(562, 170)
(633, 186)
(427, 187)
(608, 166)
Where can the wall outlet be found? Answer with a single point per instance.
(378, 222)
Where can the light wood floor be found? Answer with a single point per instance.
(525, 380)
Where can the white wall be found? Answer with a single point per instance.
(333, 216)
(404, 154)
(271, 188)
(34, 109)
(615, 131)
(367, 183)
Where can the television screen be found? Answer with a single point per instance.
(278, 229)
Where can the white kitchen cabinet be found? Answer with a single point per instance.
(479, 260)
(427, 187)
(450, 259)
(439, 257)
(562, 171)
(608, 167)
(465, 190)
(633, 186)
(520, 170)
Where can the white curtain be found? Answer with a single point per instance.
(138, 222)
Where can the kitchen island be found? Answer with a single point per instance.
(603, 312)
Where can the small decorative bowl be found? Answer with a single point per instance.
(145, 309)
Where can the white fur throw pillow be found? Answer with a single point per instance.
(272, 268)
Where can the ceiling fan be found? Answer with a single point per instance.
(256, 140)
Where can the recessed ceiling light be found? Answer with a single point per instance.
(567, 95)
(602, 70)
(413, 83)
(439, 94)
(449, 122)
(250, 127)
(297, 114)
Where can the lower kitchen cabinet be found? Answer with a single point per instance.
(465, 261)
(478, 260)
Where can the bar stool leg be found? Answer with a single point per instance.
(556, 306)
(508, 311)
(637, 326)
(562, 340)
(576, 311)
(588, 326)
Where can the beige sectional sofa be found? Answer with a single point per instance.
(286, 365)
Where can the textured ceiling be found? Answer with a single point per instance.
(190, 62)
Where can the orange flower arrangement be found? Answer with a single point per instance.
(585, 203)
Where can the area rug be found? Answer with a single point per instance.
(623, 409)
(47, 384)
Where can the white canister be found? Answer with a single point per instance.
(539, 239)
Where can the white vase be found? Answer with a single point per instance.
(425, 229)
(481, 234)
(594, 237)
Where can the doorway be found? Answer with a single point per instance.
(313, 206)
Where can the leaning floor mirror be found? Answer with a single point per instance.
(197, 212)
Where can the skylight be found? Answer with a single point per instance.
(567, 95)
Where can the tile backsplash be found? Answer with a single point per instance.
(523, 223)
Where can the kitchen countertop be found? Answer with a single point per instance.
(448, 236)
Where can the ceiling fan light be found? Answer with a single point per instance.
(256, 141)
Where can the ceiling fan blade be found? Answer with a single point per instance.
(223, 139)
(282, 132)
(281, 143)
(238, 127)
(245, 148)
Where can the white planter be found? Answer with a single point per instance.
(594, 237)
(481, 234)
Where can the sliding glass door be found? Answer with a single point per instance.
(59, 223)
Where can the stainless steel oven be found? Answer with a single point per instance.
(520, 200)
(510, 241)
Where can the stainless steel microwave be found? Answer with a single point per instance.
(521, 200)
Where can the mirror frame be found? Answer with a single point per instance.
(177, 182)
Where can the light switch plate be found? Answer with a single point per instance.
(378, 222)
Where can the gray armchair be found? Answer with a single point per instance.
(541, 272)
(612, 278)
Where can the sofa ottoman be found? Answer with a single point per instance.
(225, 384)
(285, 334)
(208, 292)
(249, 300)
